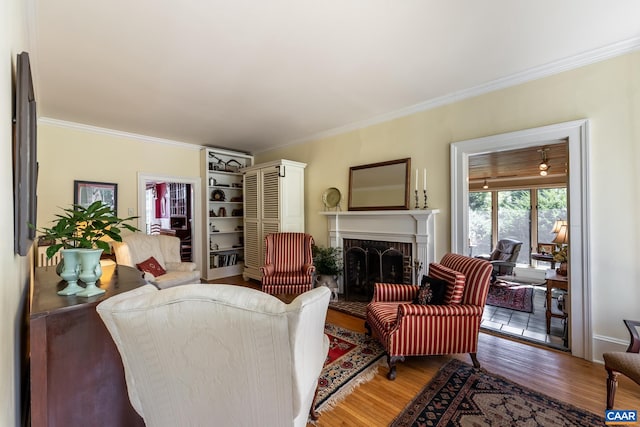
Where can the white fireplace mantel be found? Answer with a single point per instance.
(408, 226)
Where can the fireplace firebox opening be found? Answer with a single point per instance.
(367, 262)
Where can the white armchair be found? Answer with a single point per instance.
(136, 248)
(219, 354)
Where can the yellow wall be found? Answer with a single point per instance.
(607, 93)
(14, 269)
(67, 154)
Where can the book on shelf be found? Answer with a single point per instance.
(223, 260)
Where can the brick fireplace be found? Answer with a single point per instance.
(381, 246)
(367, 262)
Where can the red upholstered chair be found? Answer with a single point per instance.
(288, 266)
(408, 329)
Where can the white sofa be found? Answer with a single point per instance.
(138, 247)
(224, 355)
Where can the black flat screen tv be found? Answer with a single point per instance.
(25, 162)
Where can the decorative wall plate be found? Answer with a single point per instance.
(218, 196)
(331, 197)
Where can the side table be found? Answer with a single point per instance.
(545, 258)
(554, 281)
(77, 378)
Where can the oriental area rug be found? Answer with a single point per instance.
(511, 295)
(460, 395)
(354, 308)
(353, 359)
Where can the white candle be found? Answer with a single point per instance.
(416, 179)
(425, 179)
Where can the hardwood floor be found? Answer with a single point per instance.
(548, 371)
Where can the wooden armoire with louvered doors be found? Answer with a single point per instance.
(273, 202)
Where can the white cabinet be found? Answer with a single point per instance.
(223, 212)
(273, 202)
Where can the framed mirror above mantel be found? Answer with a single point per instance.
(380, 186)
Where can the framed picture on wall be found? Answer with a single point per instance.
(546, 248)
(87, 192)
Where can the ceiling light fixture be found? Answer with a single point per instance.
(544, 165)
(485, 185)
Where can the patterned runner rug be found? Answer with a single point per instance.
(511, 295)
(460, 395)
(353, 359)
(354, 308)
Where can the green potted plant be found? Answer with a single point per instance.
(328, 263)
(81, 233)
(560, 254)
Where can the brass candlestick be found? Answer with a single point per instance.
(426, 206)
(417, 204)
(417, 266)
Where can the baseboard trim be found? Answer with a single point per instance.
(605, 344)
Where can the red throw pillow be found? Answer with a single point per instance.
(151, 265)
(454, 278)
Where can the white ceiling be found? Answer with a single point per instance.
(255, 74)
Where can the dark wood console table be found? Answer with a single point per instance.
(545, 258)
(554, 281)
(77, 378)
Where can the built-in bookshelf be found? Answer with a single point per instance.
(224, 214)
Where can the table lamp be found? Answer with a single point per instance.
(562, 238)
(559, 223)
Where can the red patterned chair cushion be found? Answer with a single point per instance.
(297, 278)
(455, 280)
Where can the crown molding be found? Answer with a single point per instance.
(535, 73)
(117, 133)
(552, 68)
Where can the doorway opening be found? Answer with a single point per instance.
(517, 303)
(576, 135)
(169, 211)
(170, 205)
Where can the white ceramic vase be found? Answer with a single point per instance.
(70, 268)
(331, 282)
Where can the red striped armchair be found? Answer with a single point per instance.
(288, 266)
(408, 329)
